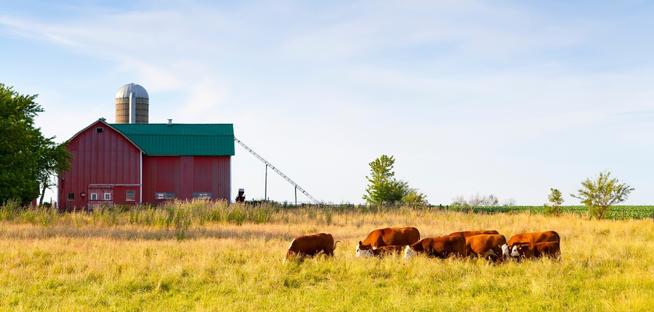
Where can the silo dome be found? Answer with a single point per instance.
(132, 104)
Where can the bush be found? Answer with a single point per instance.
(600, 194)
(555, 200)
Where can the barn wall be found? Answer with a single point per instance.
(185, 175)
(106, 158)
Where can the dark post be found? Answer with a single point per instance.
(296, 195)
(265, 189)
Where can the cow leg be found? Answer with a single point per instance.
(499, 254)
(329, 252)
(296, 256)
(490, 255)
(469, 252)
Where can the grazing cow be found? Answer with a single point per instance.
(466, 234)
(380, 252)
(491, 246)
(439, 247)
(534, 237)
(390, 236)
(311, 245)
(537, 250)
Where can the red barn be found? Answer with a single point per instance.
(133, 163)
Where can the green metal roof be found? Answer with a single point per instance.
(181, 139)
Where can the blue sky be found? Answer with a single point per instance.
(472, 97)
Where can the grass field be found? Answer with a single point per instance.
(85, 262)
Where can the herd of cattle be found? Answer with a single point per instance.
(488, 244)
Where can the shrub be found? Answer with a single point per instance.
(600, 194)
(415, 199)
(555, 200)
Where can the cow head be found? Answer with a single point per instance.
(364, 247)
(514, 251)
(409, 252)
(363, 252)
(505, 251)
(520, 250)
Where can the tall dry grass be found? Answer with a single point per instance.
(222, 266)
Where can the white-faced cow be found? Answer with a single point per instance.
(537, 250)
(382, 251)
(489, 246)
(530, 239)
(439, 247)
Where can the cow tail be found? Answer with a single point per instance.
(336, 242)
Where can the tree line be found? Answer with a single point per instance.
(597, 194)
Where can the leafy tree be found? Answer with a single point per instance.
(384, 188)
(555, 199)
(600, 194)
(415, 199)
(26, 156)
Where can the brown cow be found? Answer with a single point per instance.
(537, 250)
(534, 237)
(311, 245)
(439, 247)
(491, 246)
(380, 252)
(390, 236)
(530, 239)
(467, 234)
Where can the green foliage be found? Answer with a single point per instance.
(415, 199)
(600, 194)
(27, 158)
(555, 199)
(384, 189)
(18, 137)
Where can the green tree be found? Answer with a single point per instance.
(26, 156)
(415, 199)
(600, 194)
(555, 199)
(383, 188)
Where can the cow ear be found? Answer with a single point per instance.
(360, 243)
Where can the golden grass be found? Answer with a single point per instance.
(606, 265)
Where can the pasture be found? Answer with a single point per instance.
(82, 262)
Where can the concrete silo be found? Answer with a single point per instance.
(132, 104)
